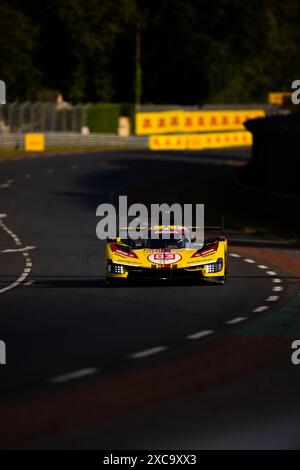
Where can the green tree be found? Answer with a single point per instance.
(17, 49)
(192, 51)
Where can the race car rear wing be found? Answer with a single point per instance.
(207, 228)
(191, 227)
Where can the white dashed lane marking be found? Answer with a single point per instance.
(193, 336)
(7, 184)
(200, 334)
(78, 374)
(28, 263)
(235, 320)
(148, 352)
(277, 288)
(262, 308)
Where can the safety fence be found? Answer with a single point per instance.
(91, 124)
(38, 116)
(73, 139)
(63, 117)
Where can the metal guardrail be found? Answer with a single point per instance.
(74, 139)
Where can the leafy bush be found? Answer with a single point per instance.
(104, 117)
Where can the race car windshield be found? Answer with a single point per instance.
(171, 242)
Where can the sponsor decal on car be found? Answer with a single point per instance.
(164, 250)
(164, 258)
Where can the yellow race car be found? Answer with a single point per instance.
(160, 258)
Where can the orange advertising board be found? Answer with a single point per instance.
(34, 142)
(165, 122)
(209, 140)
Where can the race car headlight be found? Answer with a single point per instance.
(115, 268)
(118, 269)
(215, 267)
(210, 268)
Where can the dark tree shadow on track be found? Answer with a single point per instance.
(101, 283)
